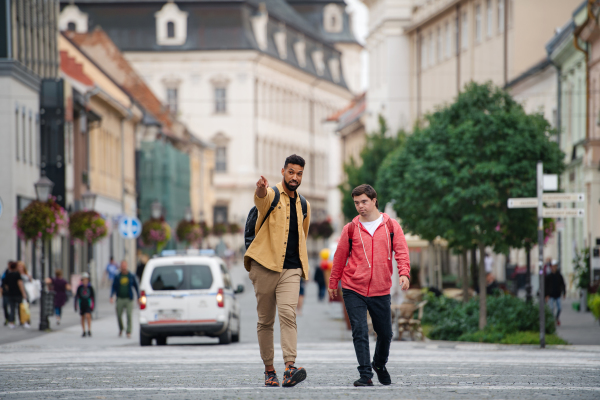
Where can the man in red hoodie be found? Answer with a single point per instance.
(363, 261)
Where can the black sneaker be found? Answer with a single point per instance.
(271, 379)
(83, 334)
(382, 374)
(90, 333)
(293, 376)
(363, 381)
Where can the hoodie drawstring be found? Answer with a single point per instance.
(387, 234)
(363, 246)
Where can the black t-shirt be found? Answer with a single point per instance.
(11, 284)
(292, 255)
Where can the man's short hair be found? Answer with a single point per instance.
(367, 190)
(12, 265)
(294, 159)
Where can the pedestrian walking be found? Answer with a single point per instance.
(12, 286)
(24, 314)
(111, 270)
(276, 260)
(320, 279)
(363, 262)
(85, 299)
(122, 289)
(4, 295)
(60, 287)
(555, 288)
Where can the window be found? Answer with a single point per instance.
(478, 23)
(200, 277)
(500, 16)
(464, 34)
(168, 278)
(332, 18)
(17, 136)
(448, 40)
(221, 159)
(423, 52)
(431, 49)
(220, 100)
(490, 17)
(226, 277)
(170, 29)
(24, 135)
(440, 54)
(71, 26)
(30, 140)
(172, 100)
(220, 215)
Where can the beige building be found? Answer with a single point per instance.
(100, 125)
(454, 42)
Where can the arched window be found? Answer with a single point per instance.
(332, 18)
(170, 29)
(71, 26)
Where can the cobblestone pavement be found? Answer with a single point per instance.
(62, 365)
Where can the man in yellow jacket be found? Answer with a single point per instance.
(276, 260)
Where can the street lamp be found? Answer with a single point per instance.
(43, 190)
(89, 200)
(156, 209)
(188, 214)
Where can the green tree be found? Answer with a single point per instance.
(378, 145)
(456, 172)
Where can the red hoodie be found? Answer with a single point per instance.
(369, 269)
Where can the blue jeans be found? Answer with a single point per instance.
(554, 302)
(379, 308)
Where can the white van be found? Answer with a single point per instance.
(188, 295)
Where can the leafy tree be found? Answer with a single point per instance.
(456, 172)
(378, 145)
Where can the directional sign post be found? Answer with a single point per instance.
(130, 227)
(546, 182)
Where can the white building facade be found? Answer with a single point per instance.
(256, 79)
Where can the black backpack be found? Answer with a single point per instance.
(250, 229)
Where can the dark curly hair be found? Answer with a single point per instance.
(294, 159)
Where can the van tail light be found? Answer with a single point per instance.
(143, 300)
(221, 298)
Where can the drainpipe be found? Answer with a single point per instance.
(558, 138)
(576, 34)
(419, 66)
(458, 45)
(506, 5)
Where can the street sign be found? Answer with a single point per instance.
(563, 197)
(550, 182)
(563, 212)
(523, 202)
(130, 227)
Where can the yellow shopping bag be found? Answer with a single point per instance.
(24, 312)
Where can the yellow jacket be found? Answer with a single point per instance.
(269, 246)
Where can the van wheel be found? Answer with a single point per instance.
(225, 337)
(235, 337)
(145, 340)
(161, 341)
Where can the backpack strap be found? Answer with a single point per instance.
(351, 227)
(391, 229)
(273, 205)
(304, 205)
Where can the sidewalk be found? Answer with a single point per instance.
(69, 318)
(578, 327)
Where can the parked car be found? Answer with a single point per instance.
(188, 295)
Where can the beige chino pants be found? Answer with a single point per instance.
(276, 291)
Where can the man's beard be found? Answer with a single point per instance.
(290, 188)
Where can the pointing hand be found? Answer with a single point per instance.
(262, 183)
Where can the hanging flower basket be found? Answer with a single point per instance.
(189, 232)
(321, 229)
(235, 228)
(87, 226)
(220, 229)
(155, 233)
(41, 220)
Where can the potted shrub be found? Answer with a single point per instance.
(189, 232)
(41, 220)
(155, 233)
(581, 263)
(87, 226)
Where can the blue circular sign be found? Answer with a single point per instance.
(130, 227)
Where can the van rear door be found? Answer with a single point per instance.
(203, 297)
(167, 303)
